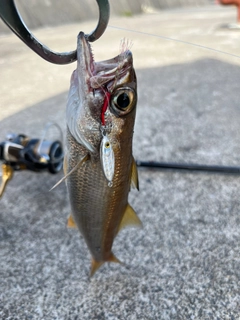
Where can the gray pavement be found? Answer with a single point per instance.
(185, 262)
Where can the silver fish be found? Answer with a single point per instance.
(99, 165)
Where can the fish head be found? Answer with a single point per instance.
(93, 82)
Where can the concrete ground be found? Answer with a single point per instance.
(185, 262)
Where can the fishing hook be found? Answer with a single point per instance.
(12, 18)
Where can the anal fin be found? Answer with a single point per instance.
(70, 222)
(130, 218)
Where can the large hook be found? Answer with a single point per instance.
(12, 18)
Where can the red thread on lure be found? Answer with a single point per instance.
(105, 105)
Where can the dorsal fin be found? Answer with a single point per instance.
(134, 175)
(130, 218)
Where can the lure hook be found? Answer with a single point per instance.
(12, 18)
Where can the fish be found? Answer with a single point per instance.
(99, 165)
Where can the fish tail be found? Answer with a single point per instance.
(112, 258)
(97, 264)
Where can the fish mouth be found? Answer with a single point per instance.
(97, 75)
(86, 65)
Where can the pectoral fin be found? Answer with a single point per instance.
(97, 264)
(70, 222)
(85, 158)
(134, 175)
(130, 218)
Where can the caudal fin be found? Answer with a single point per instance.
(97, 264)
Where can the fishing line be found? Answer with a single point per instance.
(176, 40)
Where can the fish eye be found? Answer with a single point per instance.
(123, 100)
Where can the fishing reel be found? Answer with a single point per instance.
(19, 152)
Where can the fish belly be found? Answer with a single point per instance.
(97, 208)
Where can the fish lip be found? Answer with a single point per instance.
(95, 75)
(85, 59)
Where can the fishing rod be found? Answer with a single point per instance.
(188, 167)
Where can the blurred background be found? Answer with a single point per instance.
(51, 13)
